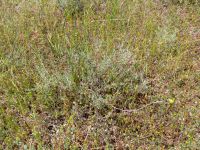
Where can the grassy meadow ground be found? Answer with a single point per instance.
(115, 74)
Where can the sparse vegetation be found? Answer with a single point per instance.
(99, 74)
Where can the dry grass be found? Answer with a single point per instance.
(100, 75)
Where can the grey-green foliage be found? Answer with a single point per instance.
(114, 75)
(95, 81)
(166, 35)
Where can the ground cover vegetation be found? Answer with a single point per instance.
(99, 74)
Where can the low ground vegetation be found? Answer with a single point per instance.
(97, 74)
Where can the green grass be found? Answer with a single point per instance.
(99, 74)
